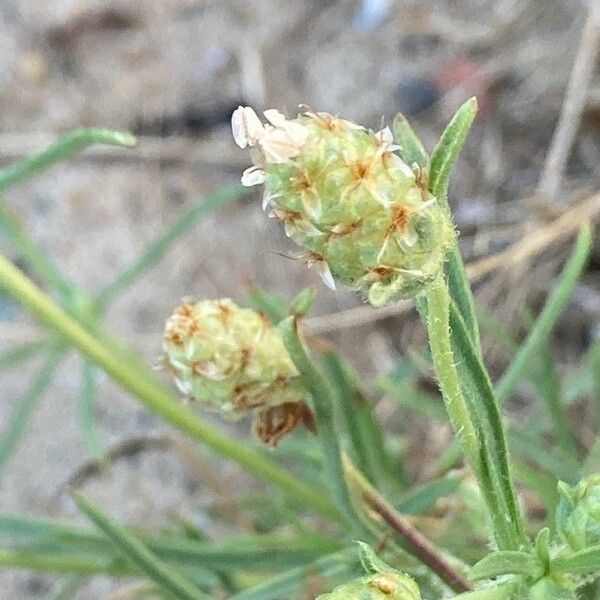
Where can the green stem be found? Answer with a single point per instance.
(474, 415)
(324, 407)
(416, 542)
(63, 148)
(143, 385)
(89, 430)
(443, 360)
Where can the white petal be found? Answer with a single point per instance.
(399, 164)
(246, 126)
(385, 136)
(275, 117)
(325, 272)
(253, 176)
(281, 144)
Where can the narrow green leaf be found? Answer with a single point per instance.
(411, 150)
(62, 149)
(271, 304)
(324, 407)
(406, 396)
(581, 562)
(332, 568)
(26, 405)
(36, 257)
(135, 552)
(159, 247)
(23, 352)
(541, 330)
(369, 560)
(506, 562)
(89, 430)
(348, 408)
(445, 154)
(418, 500)
(443, 160)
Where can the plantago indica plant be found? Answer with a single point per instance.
(368, 210)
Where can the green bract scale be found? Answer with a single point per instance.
(578, 513)
(362, 215)
(379, 586)
(233, 360)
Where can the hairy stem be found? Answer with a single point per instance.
(414, 540)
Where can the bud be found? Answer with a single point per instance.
(362, 215)
(232, 360)
(578, 513)
(378, 586)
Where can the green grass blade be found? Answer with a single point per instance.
(550, 388)
(87, 404)
(35, 257)
(542, 328)
(348, 407)
(157, 249)
(335, 566)
(418, 500)
(25, 407)
(324, 408)
(61, 563)
(140, 381)
(136, 552)
(62, 149)
(26, 351)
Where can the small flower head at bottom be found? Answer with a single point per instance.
(233, 360)
(378, 586)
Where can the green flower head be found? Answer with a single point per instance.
(362, 216)
(233, 360)
(378, 586)
(578, 513)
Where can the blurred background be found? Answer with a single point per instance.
(172, 73)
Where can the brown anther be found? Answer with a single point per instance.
(199, 367)
(302, 182)
(361, 170)
(224, 311)
(246, 353)
(174, 336)
(384, 583)
(186, 310)
(382, 272)
(400, 220)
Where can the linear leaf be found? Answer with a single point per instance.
(136, 553)
(62, 149)
(544, 324)
(158, 248)
(506, 562)
(581, 562)
(25, 407)
(89, 429)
